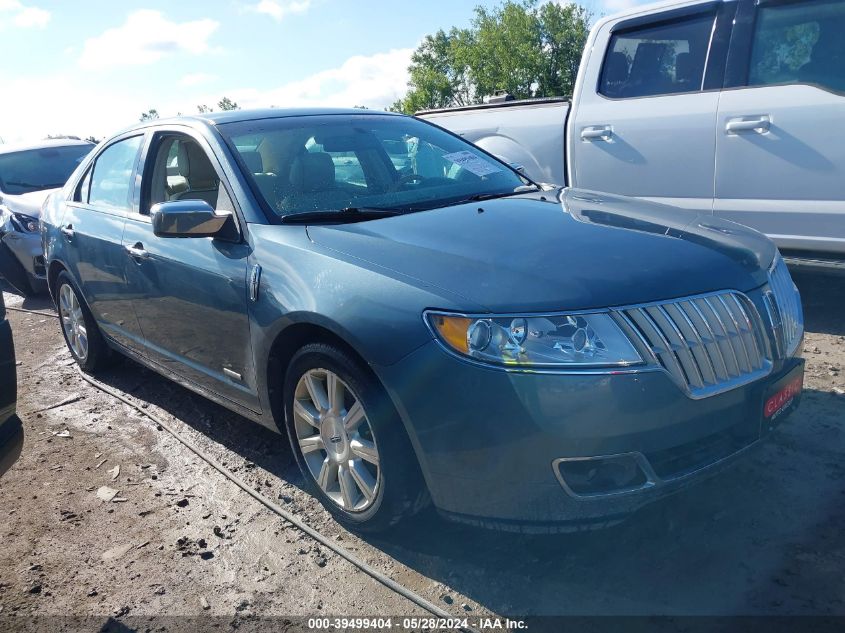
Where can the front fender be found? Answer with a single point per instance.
(52, 215)
(376, 312)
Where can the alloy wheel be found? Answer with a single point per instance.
(336, 440)
(73, 322)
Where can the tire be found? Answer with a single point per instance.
(353, 438)
(78, 323)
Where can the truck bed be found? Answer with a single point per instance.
(529, 132)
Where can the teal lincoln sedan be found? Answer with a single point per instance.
(425, 324)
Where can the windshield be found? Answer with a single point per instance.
(37, 169)
(326, 163)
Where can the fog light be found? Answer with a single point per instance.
(601, 475)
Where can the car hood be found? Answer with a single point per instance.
(566, 250)
(28, 203)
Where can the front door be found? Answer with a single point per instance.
(780, 148)
(190, 293)
(645, 117)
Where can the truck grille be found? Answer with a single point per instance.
(785, 311)
(708, 344)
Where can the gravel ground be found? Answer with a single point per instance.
(763, 538)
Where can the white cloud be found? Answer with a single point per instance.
(196, 79)
(23, 16)
(144, 38)
(375, 81)
(279, 9)
(613, 6)
(86, 109)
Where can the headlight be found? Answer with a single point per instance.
(26, 222)
(577, 340)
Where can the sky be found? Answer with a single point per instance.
(91, 67)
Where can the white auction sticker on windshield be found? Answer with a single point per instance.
(472, 163)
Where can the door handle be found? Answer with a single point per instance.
(759, 124)
(138, 251)
(597, 133)
(67, 231)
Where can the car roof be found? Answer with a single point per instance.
(43, 144)
(232, 116)
(235, 116)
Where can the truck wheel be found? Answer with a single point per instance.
(349, 441)
(80, 329)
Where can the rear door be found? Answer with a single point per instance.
(644, 119)
(190, 294)
(92, 229)
(780, 149)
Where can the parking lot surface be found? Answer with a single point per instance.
(763, 538)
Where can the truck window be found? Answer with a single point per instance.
(799, 42)
(663, 57)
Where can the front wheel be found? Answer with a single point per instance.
(80, 329)
(348, 440)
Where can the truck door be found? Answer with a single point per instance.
(780, 142)
(644, 118)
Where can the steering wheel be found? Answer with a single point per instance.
(408, 179)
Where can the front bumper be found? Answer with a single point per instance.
(490, 442)
(26, 247)
(27, 258)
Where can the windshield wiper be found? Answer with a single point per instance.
(478, 197)
(35, 185)
(339, 216)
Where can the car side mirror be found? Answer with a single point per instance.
(191, 218)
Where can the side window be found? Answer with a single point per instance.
(83, 187)
(656, 59)
(799, 42)
(111, 179)
(181, 170)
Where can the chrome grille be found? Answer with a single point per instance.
(786, 314)
(708, 344)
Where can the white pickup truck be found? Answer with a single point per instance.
(735, 108)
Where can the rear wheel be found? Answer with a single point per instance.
(80, 329)
(348, 440)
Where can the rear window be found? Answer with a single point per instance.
(658, 58)
(38, 169)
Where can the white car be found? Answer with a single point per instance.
(28, 174)
(735, 109)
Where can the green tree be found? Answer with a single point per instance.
(439, 72)
(149, 115)
(227, 104)
(203, 109)
(527, 48)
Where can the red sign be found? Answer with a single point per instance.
(783, 398)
